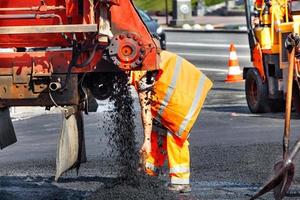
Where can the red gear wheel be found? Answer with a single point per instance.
(127, 51)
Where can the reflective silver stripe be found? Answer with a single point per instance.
(180, 169)
(176, 180)
(193, 106)
(170, 89)
(151, 167)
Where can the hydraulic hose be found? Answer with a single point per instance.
(89, 60)
(73, 63)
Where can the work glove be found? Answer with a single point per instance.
(146, 147)
(144, 153)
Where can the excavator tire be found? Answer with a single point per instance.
(256, 92)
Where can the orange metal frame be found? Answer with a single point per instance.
(123, 17)
(14, 14)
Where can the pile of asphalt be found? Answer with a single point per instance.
(147, 188)
(130, 184)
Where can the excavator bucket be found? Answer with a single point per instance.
(71, 147)
(7, 132)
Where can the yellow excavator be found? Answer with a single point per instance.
(273, 83)
(269, 23)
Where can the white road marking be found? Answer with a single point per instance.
(210, 55)
(232, 114)
(211, 40)
(189, 44)
(223, 71)
(225, 105)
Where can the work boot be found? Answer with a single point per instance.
(181, 188)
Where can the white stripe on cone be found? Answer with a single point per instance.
(234, 70)
(233, 55)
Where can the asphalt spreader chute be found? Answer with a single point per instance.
(284, 170)
(71, 147)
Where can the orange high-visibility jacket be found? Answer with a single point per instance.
(178, 94)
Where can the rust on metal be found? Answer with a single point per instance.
(38, 95)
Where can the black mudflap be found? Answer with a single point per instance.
(7, 132)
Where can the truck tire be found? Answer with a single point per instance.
(256, 92)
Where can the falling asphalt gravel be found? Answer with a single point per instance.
(130, 183)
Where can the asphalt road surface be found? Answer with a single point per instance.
(232, 150)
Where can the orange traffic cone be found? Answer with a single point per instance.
(234, 71)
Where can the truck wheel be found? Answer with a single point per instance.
(256, 92)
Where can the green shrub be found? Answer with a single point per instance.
(159, 5)
(153, 5)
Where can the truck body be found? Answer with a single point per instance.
(64, 53)
(52, 43)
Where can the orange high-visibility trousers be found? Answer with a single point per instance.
(165, 144)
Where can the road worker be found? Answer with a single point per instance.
(171, 100)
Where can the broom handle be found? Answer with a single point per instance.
(288, 105)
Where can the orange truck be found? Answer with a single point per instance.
(65, 52)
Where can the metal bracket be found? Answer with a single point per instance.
(44, 69)
(69, 110)
(104, 25)
(41, 69)
(21, 72)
